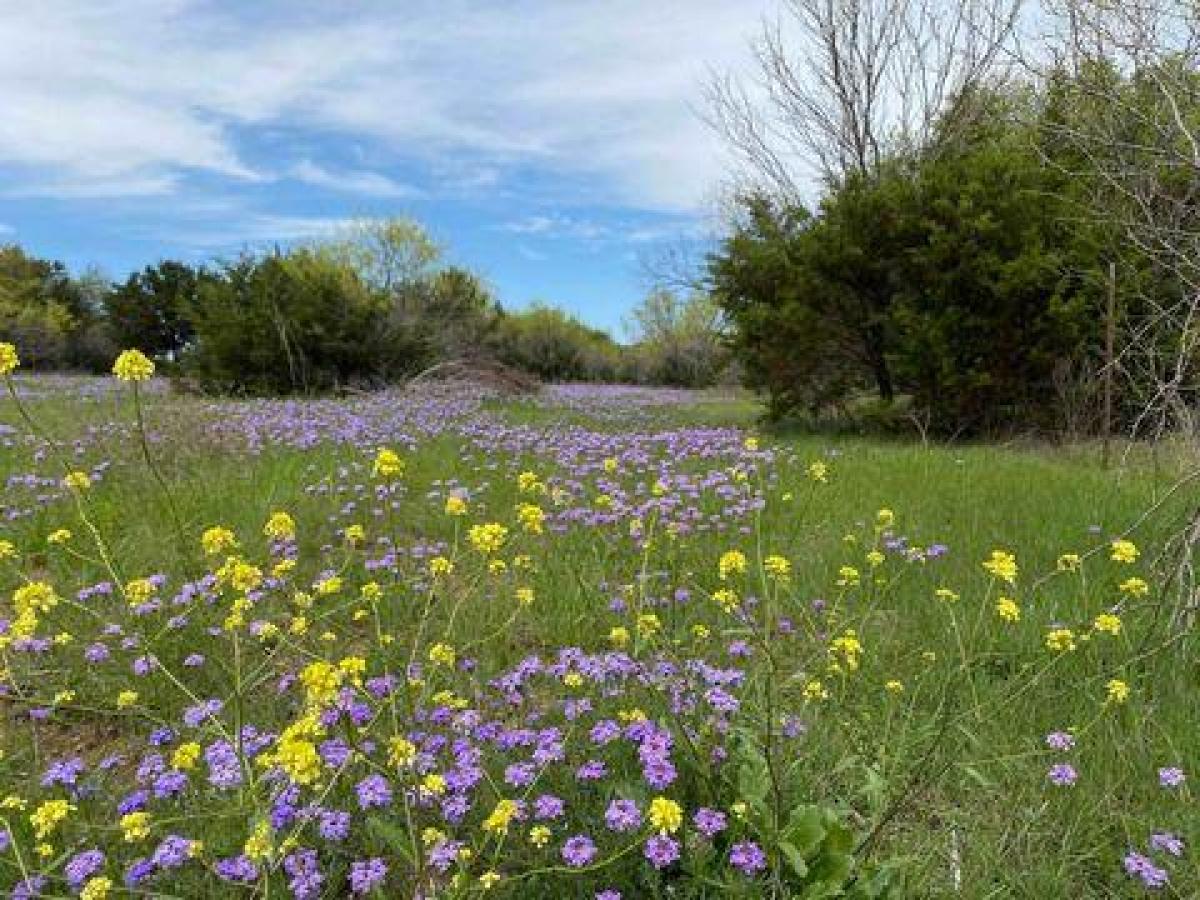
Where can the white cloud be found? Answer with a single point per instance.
(6, 229)
(104, 96)
(349, 181)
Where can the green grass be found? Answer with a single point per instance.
(948, 778)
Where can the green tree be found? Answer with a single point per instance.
(152, 309)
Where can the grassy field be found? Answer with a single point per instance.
(594, 641)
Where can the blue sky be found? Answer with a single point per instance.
(550, 144)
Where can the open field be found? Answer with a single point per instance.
(595, 640)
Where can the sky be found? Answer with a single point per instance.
(551, 145)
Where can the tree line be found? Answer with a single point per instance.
(372, 305)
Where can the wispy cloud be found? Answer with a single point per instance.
(350, 181)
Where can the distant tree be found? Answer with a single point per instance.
(152, 309)
(678, 339)
(41, 308)
(554, 345)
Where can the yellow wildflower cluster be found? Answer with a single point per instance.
(1003, 565)
(665, 815)
(9, 360)
(388, 465)
(280, 527)
(531, 517)
(488, 538)
(732, 562)
(133, 365)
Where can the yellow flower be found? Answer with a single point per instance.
(524, 596)
(327, 586)
(732, 562)
(846, 649)
(46, 817)
(439, 566)
(489, 879)
(531, 517)
(218, 540)
(60, 536)
(539, 835)
(1069, 562)
(126, 699)
(497, 822)
(388, 464)
(648, 624)
(875, 559)
(321, 682)
(726, 599)
(1117, 691)
(133, 365)
(77, 481)
(1134, 587)
(488, 538)
(619, 636)
(885, 518)
(665, 815)
(7, 550)
(258, 844)
(185, 756)
(280, 527)
(777, 567)
(135, 826)
(1002, 565)
(354, 534)
(848, 577)
(818, 472)
(814, 691)
(1061, 640)
(401, 752)
(894, 687)
(456, 505)
(610, 465)
(1107, 623)
(139, 591)
(9, 360)
(1124, 552)
(96, 888)
(946, 594)
(1008, 610)
(442, 655)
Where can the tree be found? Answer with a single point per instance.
(678, 339)
(847, 85)
(152, 309)
(41, 308)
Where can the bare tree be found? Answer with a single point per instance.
(843, 84)
(1130, 74)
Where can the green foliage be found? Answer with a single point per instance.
(152, 309)
(45, 312)
(300, 322)
(679, 341)
(554, 346)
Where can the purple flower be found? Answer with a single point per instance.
(592, 770)
(1143, 867)
(609, 894)
(83, 866)
(367, 874)
(1167, 842)
(578, 851)
(622, 815)
(747, 857)
(709, 822)
(173, 852)
(1171, 777)
(64, 772)
(373, 791)
(236, 868)
(334, 825)
(661, 850)
(1060, 740)
(1063, 774)
(547, 806)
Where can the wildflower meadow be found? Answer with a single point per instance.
(594, 642)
